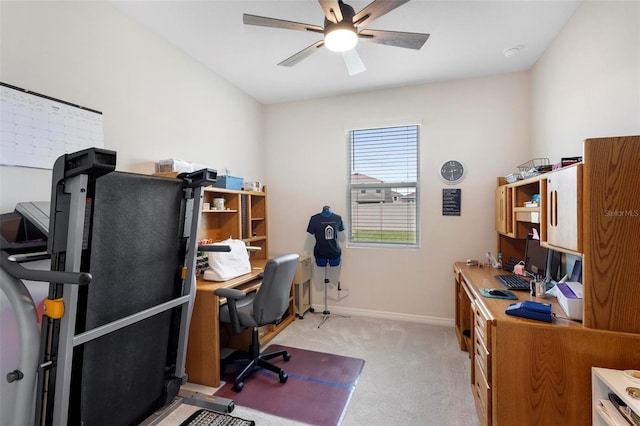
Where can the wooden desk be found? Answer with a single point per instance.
(203, 350)
(530, 372)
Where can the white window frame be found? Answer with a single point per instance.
(378, 212)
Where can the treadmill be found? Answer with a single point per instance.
(112, 346)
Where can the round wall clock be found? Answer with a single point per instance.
(452, 172)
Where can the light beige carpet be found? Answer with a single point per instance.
(414, 374)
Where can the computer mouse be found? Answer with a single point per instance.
(496, 292)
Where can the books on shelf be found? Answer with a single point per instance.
(618, 405)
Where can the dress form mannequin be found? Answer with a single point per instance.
(325, 227)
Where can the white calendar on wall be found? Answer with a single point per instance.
(36, 129)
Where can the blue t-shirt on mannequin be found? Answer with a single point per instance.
(324, 227)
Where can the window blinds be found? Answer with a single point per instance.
(383, 186)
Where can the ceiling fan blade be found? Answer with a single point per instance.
(330, 6)
(292, 60)
(263, 21)
(394, 38)
(374, 10)
(353, 62)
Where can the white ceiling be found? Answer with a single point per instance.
(467, 40)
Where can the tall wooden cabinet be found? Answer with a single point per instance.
(611, 234)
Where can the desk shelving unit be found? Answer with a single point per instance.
(605, 381)
(588, 210)
(244, 217)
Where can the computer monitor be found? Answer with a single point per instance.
(535, 257)
(576, 272)
(554, 266)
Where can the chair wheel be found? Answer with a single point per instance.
(312, 310)
(237, 387)
(283, 377)
(286, 357)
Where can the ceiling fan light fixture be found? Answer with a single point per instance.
(340, 38)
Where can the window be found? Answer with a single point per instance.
(383, 187)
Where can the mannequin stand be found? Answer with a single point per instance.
(325, 313)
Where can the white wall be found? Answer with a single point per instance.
(587, 83)
(482, 122)
(156, 102)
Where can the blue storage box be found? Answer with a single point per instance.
(228, 182)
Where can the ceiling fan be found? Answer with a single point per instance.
(343, 27)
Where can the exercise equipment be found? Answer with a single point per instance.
(112, 345)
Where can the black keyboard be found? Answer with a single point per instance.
(513, 282)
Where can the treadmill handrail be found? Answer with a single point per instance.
(20, 272)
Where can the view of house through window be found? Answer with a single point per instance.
(383, 186)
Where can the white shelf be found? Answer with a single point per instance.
(605, 381)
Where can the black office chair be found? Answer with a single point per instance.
(266, 306)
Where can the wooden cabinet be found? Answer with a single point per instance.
(464, 319)
(481, 366)
(562, 229)
(244, 217)
(611, 233)
(504, 210)
(526, 372)
(514, 218)
(590, 210)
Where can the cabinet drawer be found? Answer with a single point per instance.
(303, 270)
(481, 324)
(481, 395)
(483, 357)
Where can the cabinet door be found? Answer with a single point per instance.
(504, 210)
(564, 209)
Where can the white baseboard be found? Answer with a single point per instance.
(421, 319)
